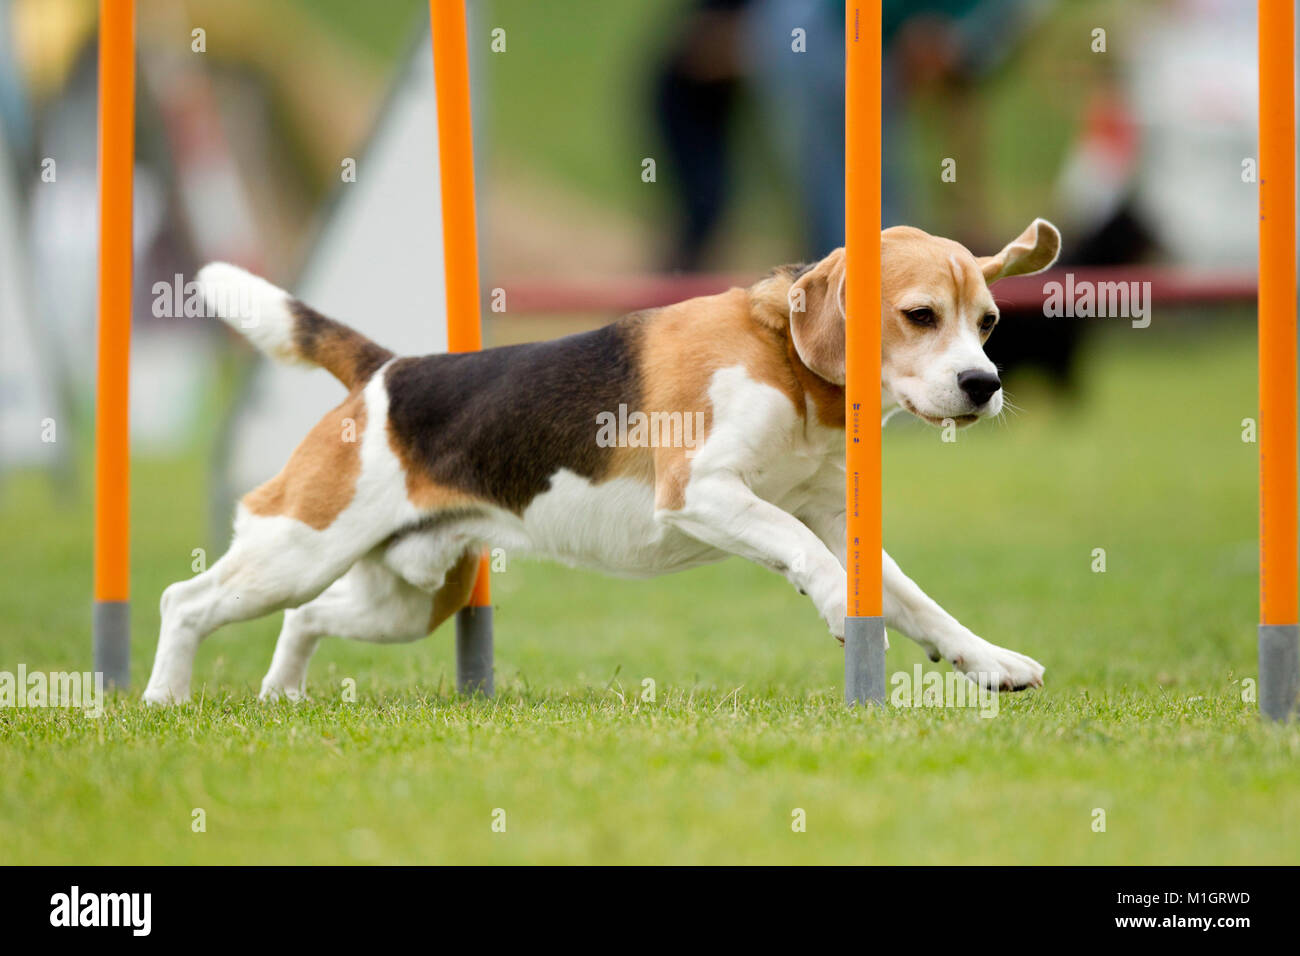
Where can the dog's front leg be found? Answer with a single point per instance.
(829, 524)
(916, 614)
(722, 511)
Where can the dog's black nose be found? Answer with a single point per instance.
(978, 384)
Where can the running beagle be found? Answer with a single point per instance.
(671, 438)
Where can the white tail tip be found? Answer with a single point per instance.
(252, 306)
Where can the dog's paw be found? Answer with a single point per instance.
(997, 668)
(162, 696)
(272, 692)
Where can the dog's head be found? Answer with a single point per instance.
(936, 314)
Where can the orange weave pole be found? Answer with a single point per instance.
(116, 158)
(1279, 554)
(459, 228)
(1277, 315)
(481, 596)
(112, 449)
(862, 348)
(864, 627)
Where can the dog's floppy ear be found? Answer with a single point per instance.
(817, 317)
(1033, 251)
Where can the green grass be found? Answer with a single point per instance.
(1142, 715)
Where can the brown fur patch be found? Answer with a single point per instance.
(455, 590)
(320, 478)
(426, 493)
(817, 317)
(769, 301)
(827, 398)
(687, 343)
(345, 353)
(636, 463)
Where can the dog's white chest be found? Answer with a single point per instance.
(608, 526)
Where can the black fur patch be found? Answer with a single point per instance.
(499, 423)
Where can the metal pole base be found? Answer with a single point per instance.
(111, 634)
(474, 651)
(864, 660)
(1279, 669)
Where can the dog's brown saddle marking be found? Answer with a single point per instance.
(320, 478)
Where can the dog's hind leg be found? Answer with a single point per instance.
(369, 603)
(372, 602)
(341, 494)
(274, 562)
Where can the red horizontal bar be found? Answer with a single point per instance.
(1169, 286)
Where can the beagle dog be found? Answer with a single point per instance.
(671, 438)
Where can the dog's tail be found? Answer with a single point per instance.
(286, 329)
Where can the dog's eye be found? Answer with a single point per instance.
(923, 317)
(987, 323)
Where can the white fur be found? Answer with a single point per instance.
(368, 603)
(254, 307)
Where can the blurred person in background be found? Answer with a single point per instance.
(695, 89)
(791, 54)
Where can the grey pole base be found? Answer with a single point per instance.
(864, 660)
(474, 651)
(111, 634)
(1279, 669)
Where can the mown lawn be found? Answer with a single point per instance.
(1142, 716)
